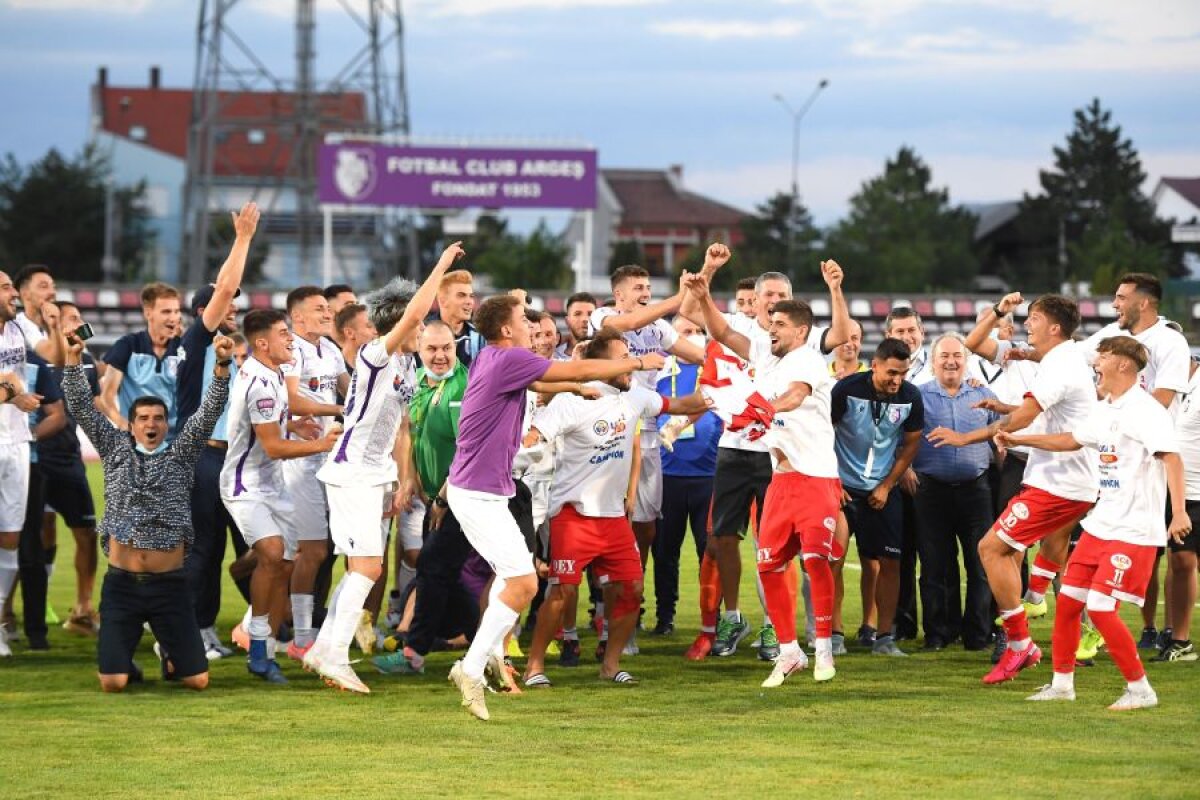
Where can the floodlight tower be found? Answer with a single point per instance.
(238, 97)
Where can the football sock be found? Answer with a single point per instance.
(496, 622)
(1016, 626)
(781, 603)
(820, 575)
(1120, 643)
(355, 588)
(1067, 615)
(302, 611)
(710, 594)
(1040, 575)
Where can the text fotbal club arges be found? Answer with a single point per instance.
(487, 177)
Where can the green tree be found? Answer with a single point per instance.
(52, 212)
(1091, 220)
(904, 235)
(536, 261)
(221, 234)
(765, 245)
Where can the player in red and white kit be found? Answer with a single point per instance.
(1057, 488)
(589, 501)
(1130, 435)
(805, 494)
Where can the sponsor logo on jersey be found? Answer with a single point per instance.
(266, 405)
(1108, 458)
(314, 383)
(564, 566)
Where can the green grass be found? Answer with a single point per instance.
(923, 726)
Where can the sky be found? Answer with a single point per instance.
(982, 89)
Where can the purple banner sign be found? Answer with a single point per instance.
(369, 174)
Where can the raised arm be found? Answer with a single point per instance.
(715, 257)
(418, 307)
(229, 279)
(641, 317)
(714, 321)
(78, 396)
(840, 325)
(199, 427)
(979, 340)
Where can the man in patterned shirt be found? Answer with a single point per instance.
(147, 526)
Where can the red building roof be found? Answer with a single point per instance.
(159, 118)
(651, 197)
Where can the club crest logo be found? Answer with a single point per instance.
(354, 173)
(1121, 561)
(829, 523)
(1020, 510)
(600, 428)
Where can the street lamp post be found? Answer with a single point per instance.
(797, 115)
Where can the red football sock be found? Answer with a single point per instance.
(1119, 642)
(1016, 625)
(710, 592)
(820, 577)
(1067, 614)
(1042, 573)
(781, 604)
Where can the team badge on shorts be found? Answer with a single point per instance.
(829, 523)
(1121, 561)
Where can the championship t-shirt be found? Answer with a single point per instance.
(1122, 438)
(805, 434)
(1187, 429)
(657, 337)
(594, 461)
(1065, 388)
(1167, 367)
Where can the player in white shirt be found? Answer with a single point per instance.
(36, 287)
(361, 473)
(1165, 376)
(314, 379)
(15, 405)
(743, 466)
(1132, 442)
(252, 485)
(645, 332)
(1058, 488)
(588, 499)
(805, 495)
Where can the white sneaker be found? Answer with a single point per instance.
(5, 650)
(823, 669)
(630, 648)
(213, 649)
(784, 667)
(1048, 692)
(1135, 699)
(342, 676)
(364, 634)
(472, 692)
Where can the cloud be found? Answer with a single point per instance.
(475, 8)
(117, 6)
(716, 30)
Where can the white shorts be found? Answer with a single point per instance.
(411, 524)
(14, 486)
(648, 504)
(356, 519)
(491, 530)
(308, 497)
(261, 517)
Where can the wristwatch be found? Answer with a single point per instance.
(440, 501)
(10, 388)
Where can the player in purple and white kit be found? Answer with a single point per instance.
(361, 474)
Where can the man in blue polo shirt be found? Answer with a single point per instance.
(878, 417)
(689, 467)
(953, 503)
(145, 363)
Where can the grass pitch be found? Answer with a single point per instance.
(917, 727)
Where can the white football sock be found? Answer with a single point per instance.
(496, 623)
(302, 613)
(354, 590)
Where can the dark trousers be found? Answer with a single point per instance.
(210, 521)
(905, 625)
(437, 584)
(685, 500)
(950, 515)
(31, 561)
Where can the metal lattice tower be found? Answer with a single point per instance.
(229, 71)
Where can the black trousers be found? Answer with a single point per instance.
(950, 515)
(439, 567)
(210, 522)
(31, 560)
(905, 625)
(685, 500)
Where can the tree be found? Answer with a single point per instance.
(765, 244)
(537, 261)
(52, 212)
(903, 235)
(222, 234)
(1091, 220)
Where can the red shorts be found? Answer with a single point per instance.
(1118, 569)
(605, 542)
(1034, 514)
(799, 516)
